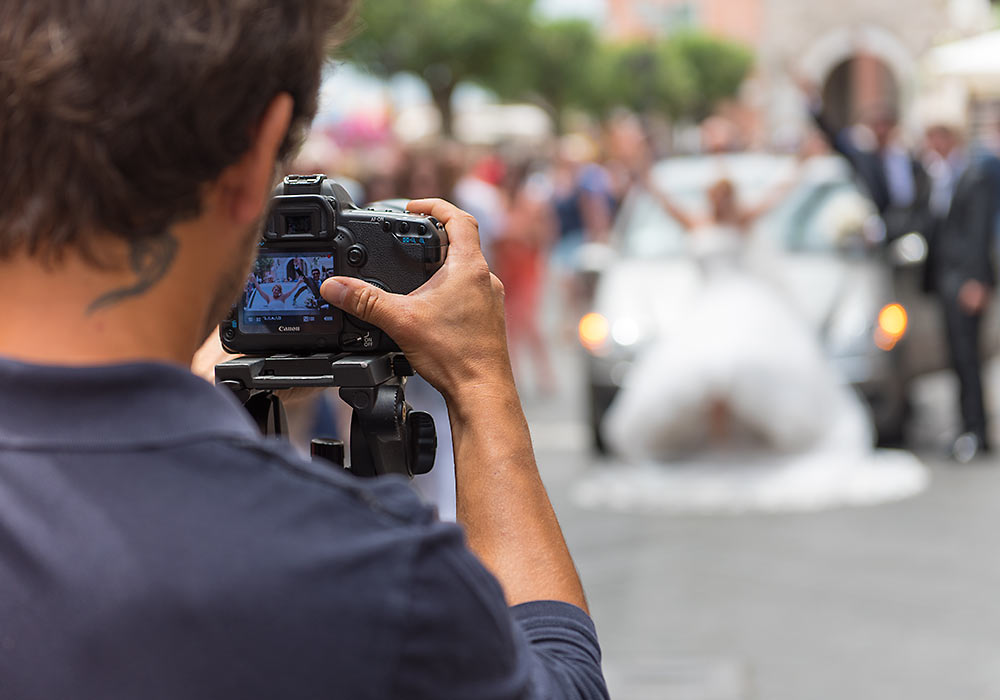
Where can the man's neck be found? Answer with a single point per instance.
(50, 319)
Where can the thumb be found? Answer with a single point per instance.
(365, 301)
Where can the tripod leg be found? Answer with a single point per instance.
(362, 461)
(266, 410)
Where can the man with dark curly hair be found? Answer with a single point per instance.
(152, 543)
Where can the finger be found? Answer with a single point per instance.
(462, 227)
(366, 301)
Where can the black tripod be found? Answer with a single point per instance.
(387, 436)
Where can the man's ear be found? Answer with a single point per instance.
(246, 185)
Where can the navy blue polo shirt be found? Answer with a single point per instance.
(153, 545)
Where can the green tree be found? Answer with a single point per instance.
(641, 76)
(445, 42)
(718, 67)
(503, 46)
(555, 67)
(684, 76)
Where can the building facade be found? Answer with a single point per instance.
(861, 53)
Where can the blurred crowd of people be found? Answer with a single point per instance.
(537, 206)
(541, 205)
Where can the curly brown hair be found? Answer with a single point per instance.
(115, 113)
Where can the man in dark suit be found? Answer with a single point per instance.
(893, 179)
(961, 272)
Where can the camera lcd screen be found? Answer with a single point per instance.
(282, 294)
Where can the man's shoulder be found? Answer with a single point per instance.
(982, 175)
(389, 499)
(985, 166)
(341, 547)
(288, 574)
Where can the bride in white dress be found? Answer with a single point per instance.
(747, 370)
(749, 378)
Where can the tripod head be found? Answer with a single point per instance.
(387, 436)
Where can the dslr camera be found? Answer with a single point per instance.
(314, 231)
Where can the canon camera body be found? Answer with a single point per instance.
(314, 231)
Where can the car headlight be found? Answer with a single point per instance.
(891, 326)
(626, 332)
(601, 336)
(594, 331)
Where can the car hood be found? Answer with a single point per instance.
(655, 294)
(818, 287)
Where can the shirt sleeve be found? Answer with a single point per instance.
(461, 641)
(564, 654)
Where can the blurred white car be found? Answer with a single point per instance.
(817, 247)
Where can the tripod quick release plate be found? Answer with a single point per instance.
(387, 436)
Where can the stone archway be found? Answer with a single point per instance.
(859, 85)
(860, 67)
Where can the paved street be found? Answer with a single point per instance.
(892, 601)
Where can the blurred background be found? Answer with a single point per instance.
(747, 250)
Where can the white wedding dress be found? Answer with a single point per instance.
(795, 436)
(739, 344)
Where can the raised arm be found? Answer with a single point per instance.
(771, 199)
(672, 208)
(292, 291)
(837, 138)
(452, 332)
(259, 289)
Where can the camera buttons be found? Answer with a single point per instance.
(357, 256)
(387, 226)
(404, 227)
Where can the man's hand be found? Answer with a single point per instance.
(452, 328)
(452, 331)
(973, 297)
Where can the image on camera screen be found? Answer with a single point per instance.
(282, 293)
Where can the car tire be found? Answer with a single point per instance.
(600, 400)
(893, 417)
(890, 434)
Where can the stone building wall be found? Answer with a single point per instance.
(811, 38)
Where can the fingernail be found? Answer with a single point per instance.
(334, 291)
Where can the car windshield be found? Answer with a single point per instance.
(817, 215)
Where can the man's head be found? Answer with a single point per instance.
(315, 274)
(942, 139)
(116, 113)
(882, 119)
(135, 134)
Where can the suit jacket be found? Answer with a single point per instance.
(962, 245)
(869, 168)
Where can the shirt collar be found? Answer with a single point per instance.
(128, 405)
